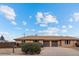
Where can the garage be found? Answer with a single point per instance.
(54, 43)
(46, 43)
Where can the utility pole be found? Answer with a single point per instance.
(24, 34)
(13, 49)
(13, 44)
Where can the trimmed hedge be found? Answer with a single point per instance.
(31, 48)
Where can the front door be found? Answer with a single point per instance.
(54, 43)
(46, 43)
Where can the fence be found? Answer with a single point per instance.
(7, 44)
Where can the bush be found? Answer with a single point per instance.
(31, 48)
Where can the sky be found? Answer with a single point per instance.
(42, 19)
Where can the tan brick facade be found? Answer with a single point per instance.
(29, 41)
(51, 42)
(60, 44)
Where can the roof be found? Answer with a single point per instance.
(46, 38)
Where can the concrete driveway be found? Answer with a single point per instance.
(59, 51)
(46, 51)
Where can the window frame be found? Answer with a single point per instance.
(23, 41)
(67, 42)
(35, 40)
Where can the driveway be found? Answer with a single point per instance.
(46, 51)
(59, 51)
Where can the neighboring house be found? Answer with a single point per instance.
(5, 44)
(50, 41)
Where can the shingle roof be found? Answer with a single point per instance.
(47, 38)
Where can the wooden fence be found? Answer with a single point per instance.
(7, 44)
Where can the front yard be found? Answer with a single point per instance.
(9, 51)
(46, 51)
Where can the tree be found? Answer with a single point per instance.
(2, 37)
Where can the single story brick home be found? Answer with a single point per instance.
(50, 41)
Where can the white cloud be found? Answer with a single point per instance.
(27, 29)
(13, 22)
(24, 23)
(75, 16)
(33, 30)
(53, 31)
(49, 31)
(39, 17)
(7, 36)
(50, 19)
(4, 33)
(45, 18)
(71, 20)
(63, 30)
(70, 26)
(30, 17)
(63, 26)
(43, 25)
(8, 12)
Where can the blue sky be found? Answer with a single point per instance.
(39, 19)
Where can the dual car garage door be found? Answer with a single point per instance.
(47, 43)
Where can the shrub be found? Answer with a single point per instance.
(31, 48)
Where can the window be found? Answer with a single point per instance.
(23, 41)
(67, 41)
(35, 41)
